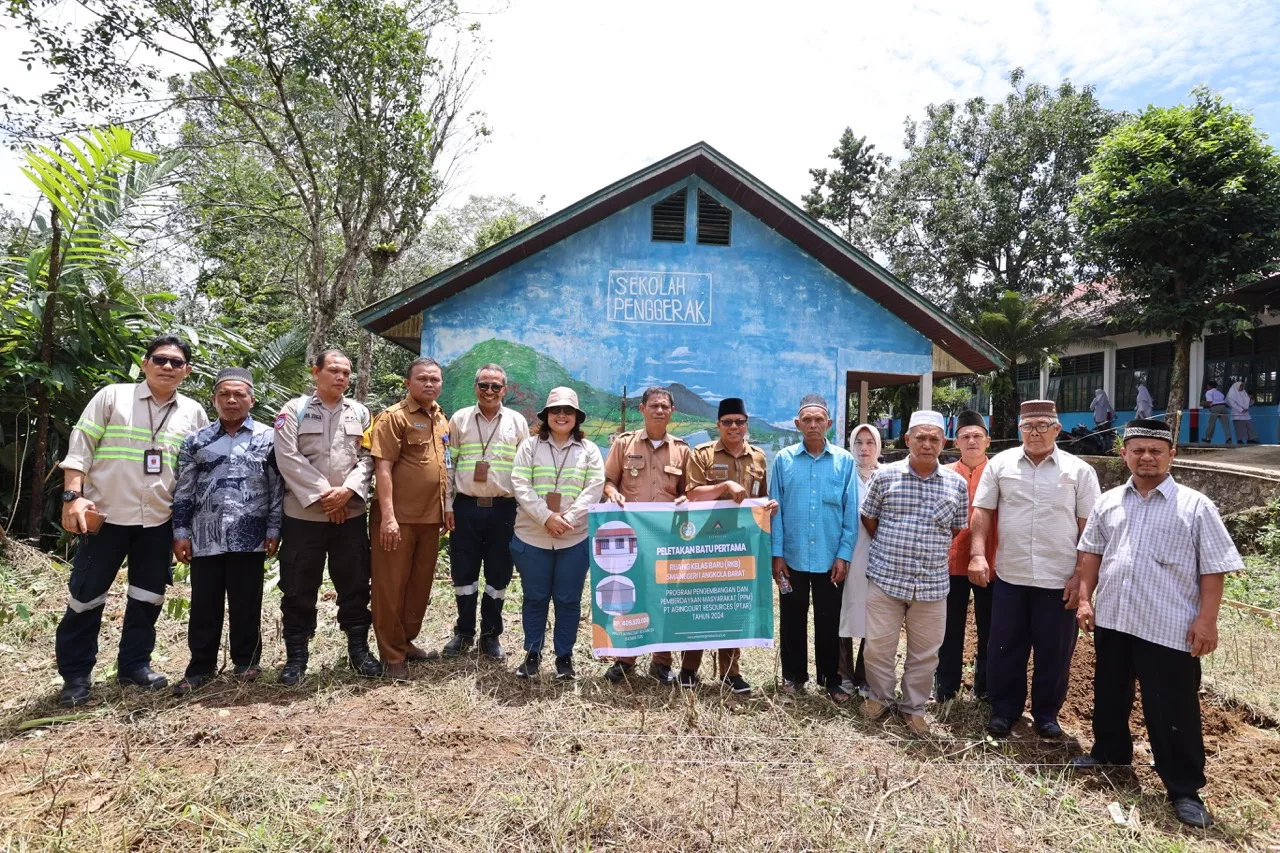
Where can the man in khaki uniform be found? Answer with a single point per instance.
(647, 465)
(728, 469)
(481, 511)
(326, 473)
(409, 443)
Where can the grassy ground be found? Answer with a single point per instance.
(466, 758)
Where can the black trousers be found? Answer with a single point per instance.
(97, 562)
(793, 619)
(1023, 619)
(481, 536)
(1170, 681)
(236, 579)
(304, 546)
(946, 681)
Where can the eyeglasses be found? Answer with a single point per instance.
(561, 410)
(167, 361)
(1039, 429)
(733, 422)
(491, 386)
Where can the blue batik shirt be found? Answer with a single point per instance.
(817, 520)
(230, 496)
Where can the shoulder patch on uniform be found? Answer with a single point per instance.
(280, 420)
(706, 445)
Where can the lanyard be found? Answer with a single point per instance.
(484, 443)
(167, 408)
(567, 449)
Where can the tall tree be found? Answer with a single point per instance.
(1024, 329)
(979, 203)
(1181, 206)
(844, 195)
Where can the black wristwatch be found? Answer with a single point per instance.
(70, 495)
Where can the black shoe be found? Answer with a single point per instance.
(75, 691)
(529, 668)
(190, 684)
(358, 655)
(143, 678)
(459, 645)
(247, 672)
(662, 672)
(999, 726)
(1088, 762)
(491, 647)
(941, 696)
(619, 671)
(688, 679)
(737, 684)
(1192, 812)
(564, 668)
(295, 662)
(1049, 730)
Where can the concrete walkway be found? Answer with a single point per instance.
(1261, 460)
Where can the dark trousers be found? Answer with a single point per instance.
(481, 536)
(1026, 619)
(304, 545)
(852, 666)
(97, 562)
(793, 621)
(951, 656)
(236, 579)
(1170, 682)
(548, 576)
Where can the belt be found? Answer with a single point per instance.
(482, 501)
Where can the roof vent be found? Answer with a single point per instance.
(668, 219)
(714, 220)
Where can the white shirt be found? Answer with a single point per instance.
(1040, 508)
(1154, 550)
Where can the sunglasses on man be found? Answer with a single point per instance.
(490, 386)
(733, 422)
(167, 361)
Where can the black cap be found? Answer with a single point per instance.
(731, 406)
(969, 418)
(1148, 428)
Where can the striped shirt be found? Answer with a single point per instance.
(108, 444)
(580, 482)
(230, 496)
(473, 438)
(916, 516)
(1154, 550)
(817, 520)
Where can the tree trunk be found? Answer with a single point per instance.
(1178, 376)
(380, 260)
(40, 467)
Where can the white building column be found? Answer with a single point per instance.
(926, 390)
(1195, 375)
(1044, 381)
(1109, 379)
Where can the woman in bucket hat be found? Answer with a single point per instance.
(557, 474)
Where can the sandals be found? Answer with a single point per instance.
(838, 695)
(190, 684)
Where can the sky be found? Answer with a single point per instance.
(580, 93)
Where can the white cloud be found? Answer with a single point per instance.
(692, 370)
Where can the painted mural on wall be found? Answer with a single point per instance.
(607, 309)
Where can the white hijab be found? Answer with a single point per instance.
(865, 473)
(1237, 398)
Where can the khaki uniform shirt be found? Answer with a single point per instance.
(318, 448)
(711, 464)
(646, 473)
(416, 441)
(474, 438)
(108, 444)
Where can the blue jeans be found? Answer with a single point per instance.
(548, 575)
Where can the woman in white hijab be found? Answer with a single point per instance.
(865, 444)
(1101, 406)
(1145, 403)
(1238, 401)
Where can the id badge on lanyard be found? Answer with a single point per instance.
(152, 460)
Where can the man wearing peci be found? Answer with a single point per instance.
(481, 511)
(119, 474)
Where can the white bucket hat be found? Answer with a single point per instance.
(562, 396)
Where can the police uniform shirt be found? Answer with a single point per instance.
(108, 445)
(318, 448)
(473, 439)
(644, 473)
(415, 440)
(711, 464)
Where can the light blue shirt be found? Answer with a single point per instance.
(817, 520)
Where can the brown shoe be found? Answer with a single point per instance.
(873, 710)
(396, 671)
(916, 723)
(417, 654)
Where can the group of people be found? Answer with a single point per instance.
(878, 550)
(1233, 405)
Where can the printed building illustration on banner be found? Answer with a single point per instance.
(691, 275)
